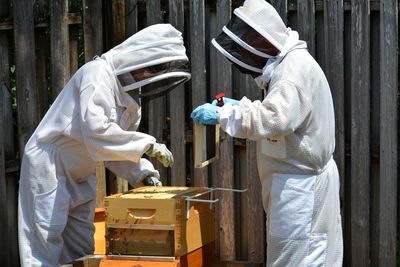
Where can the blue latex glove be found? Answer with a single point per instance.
(226, 100)
(205, 114)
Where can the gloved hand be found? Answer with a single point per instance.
(206, 114)
(233, 102)
(151, 181)
(161, 153)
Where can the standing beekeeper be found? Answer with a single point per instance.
(94, 118)
(294, 127)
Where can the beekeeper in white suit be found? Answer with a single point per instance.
(295, 133)
(94, 119)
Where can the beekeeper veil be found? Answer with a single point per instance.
(255, 34)
(150, 62)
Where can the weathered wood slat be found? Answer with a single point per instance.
(131, 17)
(92, 28)
(334, 69)
(60, 62)
(360, 137)
(198, 69)
(8, 134)
(5, 135)
(156, 106)
(177, 106)
(225, 175)
(3, 193)
(256, 225)
(25, 70)
(389, 133)
(282, 7)
(306, 23)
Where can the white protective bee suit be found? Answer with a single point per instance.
(294, 127)
(93, 119)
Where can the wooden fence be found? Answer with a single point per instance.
(42, 43)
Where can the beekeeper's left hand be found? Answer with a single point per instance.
(161, 153)
(206, 114)
(151, 181)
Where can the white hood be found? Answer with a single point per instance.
(153, 45)
(263, 17)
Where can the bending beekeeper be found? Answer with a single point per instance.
(94, 118)
(295, 133)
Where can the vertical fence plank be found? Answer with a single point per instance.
(254, 213)
(225, 173)
(389, 133)
(334, 58)
(306, 23)
(360, 148)
(93, 45)
(198, 69)
(3, 197)
(60, 63)
(177, 107)
(25, 70)
(156, 106)
(92, 28)
(41, 48)
(281, 6)
(375, 120)
(131, 17)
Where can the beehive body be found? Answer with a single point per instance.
(153, 221)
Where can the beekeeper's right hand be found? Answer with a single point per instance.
(161, 153)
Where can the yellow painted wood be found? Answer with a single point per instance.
(152, 221)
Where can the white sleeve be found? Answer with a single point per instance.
(133, 172)
(106, 140)
(282, 111)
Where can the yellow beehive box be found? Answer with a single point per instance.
(159, 221)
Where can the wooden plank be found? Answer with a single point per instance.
(60, 62)
(334, 69)
(225, 177)
(198, 69)
(375, 134)
(156, 106)
(73, 49)
(282, 7)
(3, 193)
(131, 17)
(25, 70)
(101, 185)
(12, 207)
(8, 134)
(360, 137)
(42, 41)
(92, 28)
(256, 226)
(306, 23)
(389, 133)
(177, 106)
(93, 45)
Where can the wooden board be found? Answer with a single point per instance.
(60, 62)
(224, 176)
(199, 73)
(203, 256)
(388, 205)
(360, 137)
(177, 107)
(100, 232)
